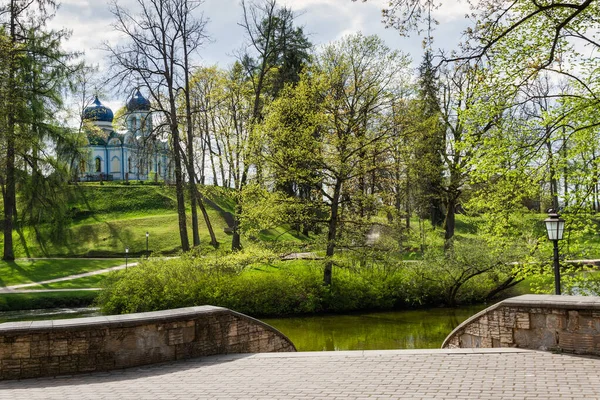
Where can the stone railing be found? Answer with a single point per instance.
(541, 322)
(49, 348)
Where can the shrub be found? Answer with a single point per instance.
(256, 282)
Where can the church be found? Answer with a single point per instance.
(134, 154)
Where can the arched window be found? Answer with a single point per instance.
(115, 165)
(129, 165)
(98, 164)
(158, 171)
(82, 165)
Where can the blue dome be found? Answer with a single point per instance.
(98, 112)
(138, 103)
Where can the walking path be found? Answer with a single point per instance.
(15, 288)
(396, 374)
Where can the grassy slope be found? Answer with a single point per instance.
(107, 219)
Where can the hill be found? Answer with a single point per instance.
(104, 220)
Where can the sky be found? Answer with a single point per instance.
(323, 20)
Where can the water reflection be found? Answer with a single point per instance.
(414, 329)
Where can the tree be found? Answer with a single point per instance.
(431, 143)
(35, 70)
(339, 114)
(277, 44)
(159, 42)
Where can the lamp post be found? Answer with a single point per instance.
(147, 236)
(126, 254)
(555, 227)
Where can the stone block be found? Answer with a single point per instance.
(473, 329)
(522, 320)
(30, 368)
(40, 337)
(486, 342)
(68, 364)
(59, 347)
(555, 321)
(175, 336)
(583, 343)
(509, 317)
(537, 321)
(566, 341)
(20, 350)
(40, 349)
(573, 321)
(78, 346)
(49, 366)
(506, 336)
(588, 325)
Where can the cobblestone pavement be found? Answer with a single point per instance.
(402, 374)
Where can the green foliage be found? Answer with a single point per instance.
(34, 301)
(256, 282)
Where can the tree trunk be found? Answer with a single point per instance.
(449, 222)
(332, 233)
(190, 141)
(9, 191)
(10, 196)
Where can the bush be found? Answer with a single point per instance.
(256, 282)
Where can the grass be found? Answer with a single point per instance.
(86, 282)
(107, 219)
(29, 271)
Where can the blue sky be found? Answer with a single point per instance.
(323, 20)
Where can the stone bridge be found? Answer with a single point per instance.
(63, 347)
(568, 324)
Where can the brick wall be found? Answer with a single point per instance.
(541, 322)
(49, 348)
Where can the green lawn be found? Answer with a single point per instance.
(79, 283)
(28, 271)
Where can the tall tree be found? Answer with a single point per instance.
(35, 69)
(275, 44)
(340, 113)
(159, 40)
(431, 144)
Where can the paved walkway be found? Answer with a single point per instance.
(16, 288)
(403, 374)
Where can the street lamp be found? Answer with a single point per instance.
(126, 253)
(555, 226)
(147, 236)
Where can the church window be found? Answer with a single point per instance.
(82, 165)
(115, 165)
(129, 165)
(98, 164)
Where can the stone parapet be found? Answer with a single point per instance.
(62, 347)
(538, 322)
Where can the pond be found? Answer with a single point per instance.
(409, 329)
(412, 329)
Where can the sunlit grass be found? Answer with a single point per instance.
(30, 271)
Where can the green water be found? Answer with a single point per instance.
(414, 329)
